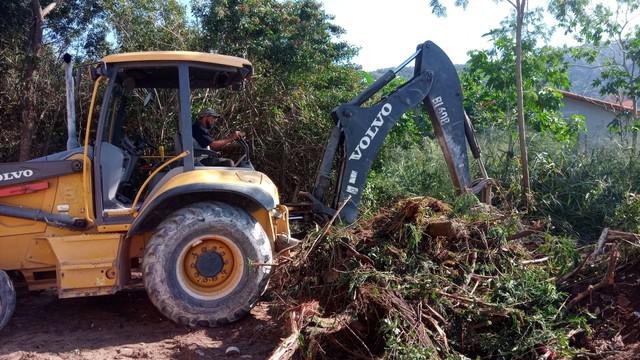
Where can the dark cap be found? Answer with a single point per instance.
(208, 112)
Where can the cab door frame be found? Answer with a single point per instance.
(184, 91)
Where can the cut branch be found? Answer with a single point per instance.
(607, 280)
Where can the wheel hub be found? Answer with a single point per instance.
(208, 264)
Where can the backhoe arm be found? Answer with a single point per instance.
(360, 131)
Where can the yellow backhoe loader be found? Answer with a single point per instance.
(94, 219)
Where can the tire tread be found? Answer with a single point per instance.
(159, 246)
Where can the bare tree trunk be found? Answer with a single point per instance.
(28, 114)
(526, 186)
(29, 78)
(634, 132)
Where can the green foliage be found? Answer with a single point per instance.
(397, 346)
(146, 25)
(292, 37)
(579, 191)
(404, 172)
(489, 83)
(626, 216)
(302, 72)
(562, 252)
(439, 9)
(576, 190)
(66, 26)
(463, 205)
(510, 314)
(600, 25)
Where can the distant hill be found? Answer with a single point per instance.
(582, 74)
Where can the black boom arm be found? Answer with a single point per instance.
(360, 131)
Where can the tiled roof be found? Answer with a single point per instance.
(626, 105)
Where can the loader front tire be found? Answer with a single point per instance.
(7, 299)
(205, 264)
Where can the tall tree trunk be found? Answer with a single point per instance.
(524, 160)
(634, 132)
(29, 78)
(28, 114)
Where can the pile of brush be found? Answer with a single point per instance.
(424, 279)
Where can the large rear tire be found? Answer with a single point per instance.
(205, 264)
(7, 299)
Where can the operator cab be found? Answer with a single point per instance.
(144, 132)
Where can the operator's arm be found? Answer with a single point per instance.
(219, 144)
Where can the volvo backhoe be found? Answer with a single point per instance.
(95, 218)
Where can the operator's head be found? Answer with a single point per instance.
(208, 117)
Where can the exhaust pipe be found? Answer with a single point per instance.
(72, 136)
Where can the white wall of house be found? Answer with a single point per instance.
(597, 119)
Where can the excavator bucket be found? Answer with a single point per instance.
(360, 131)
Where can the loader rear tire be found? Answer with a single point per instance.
(7, 299)
(202, 265)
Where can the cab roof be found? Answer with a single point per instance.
(191, 56)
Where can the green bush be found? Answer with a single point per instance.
(626, 216)
(579, 192)
(403, 172)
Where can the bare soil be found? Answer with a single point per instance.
(127, 326)
(616, 331)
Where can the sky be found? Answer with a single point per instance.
(387, 31)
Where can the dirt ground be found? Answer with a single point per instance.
(616, 331)
(127, 326)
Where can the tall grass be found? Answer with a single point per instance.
(407, 171)
(577, 191)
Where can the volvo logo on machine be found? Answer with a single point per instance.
(14, 175)
(365, 141)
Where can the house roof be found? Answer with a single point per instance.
(178, 56)
(608, 105)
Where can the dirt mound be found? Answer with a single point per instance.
(424, 279)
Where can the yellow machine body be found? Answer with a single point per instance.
(97, 259)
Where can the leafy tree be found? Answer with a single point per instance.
(293, 37)
(302, 71)
(520, 7)
(30, 31)
(489, 84)
(147, 25)
(29, 75)
(599, 25)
